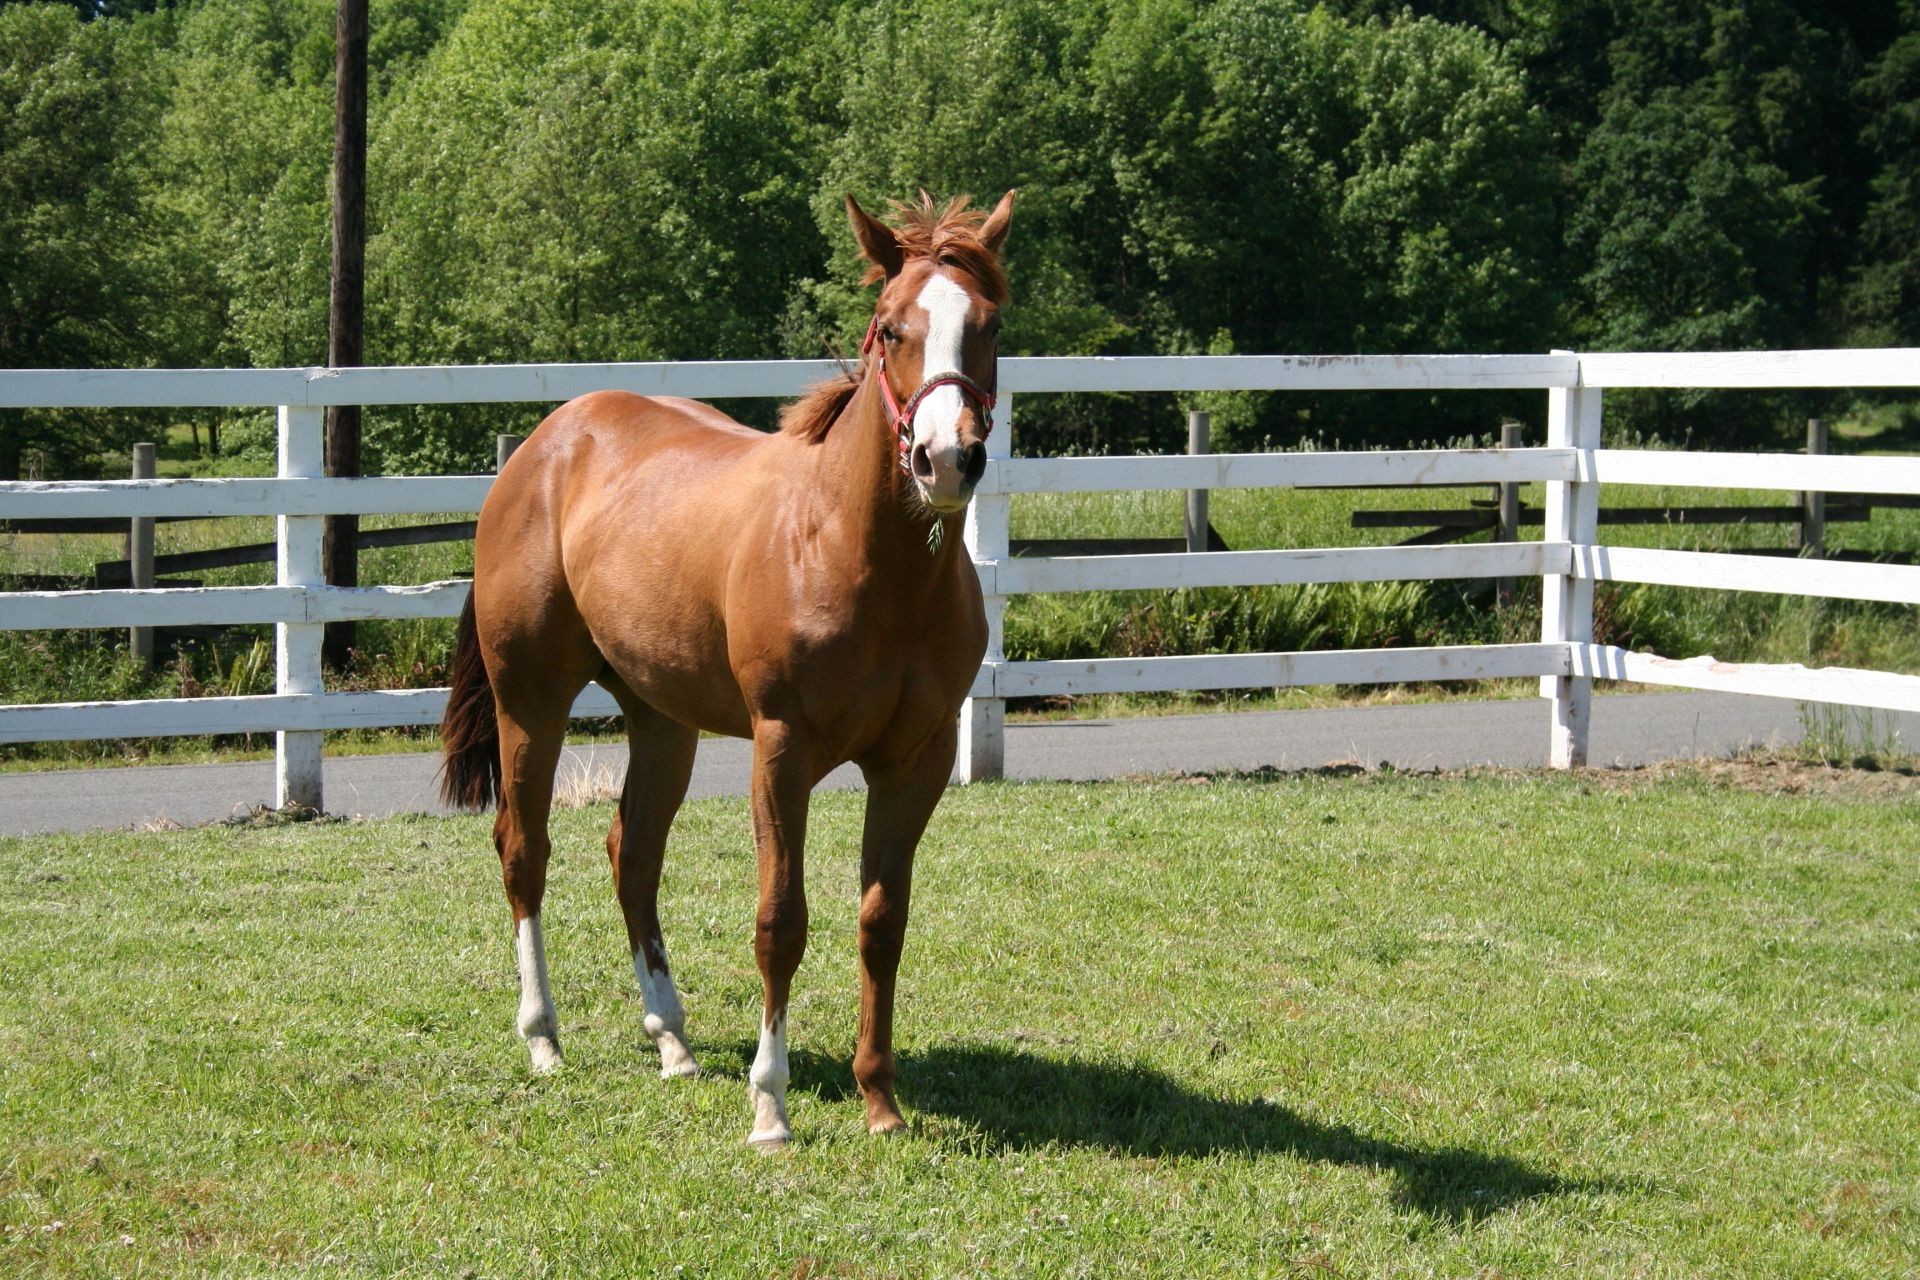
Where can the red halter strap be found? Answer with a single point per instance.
(902, 415)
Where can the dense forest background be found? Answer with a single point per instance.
(655, 179)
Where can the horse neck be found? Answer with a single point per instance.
(866, 485)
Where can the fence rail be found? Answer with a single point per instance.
(1568, 561)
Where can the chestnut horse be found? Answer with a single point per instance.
(806, 588)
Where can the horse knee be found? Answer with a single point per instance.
(882, 937)
(780, 936)
(883, 928)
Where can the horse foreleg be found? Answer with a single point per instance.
(900, 800)
(528, 755)
(783, 777)
(659, 765)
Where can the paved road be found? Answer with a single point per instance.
(1628, 729)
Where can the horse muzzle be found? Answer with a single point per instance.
(946, 477)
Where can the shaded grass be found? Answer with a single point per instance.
(1341, 1025)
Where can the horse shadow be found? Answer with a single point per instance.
(1015, 1100)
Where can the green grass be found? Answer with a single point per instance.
(1377, 1025)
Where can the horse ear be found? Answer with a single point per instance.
(993, 233)
(877, 241)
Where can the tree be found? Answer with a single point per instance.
(1884, 295)
(242, 166)
(78, 269)
(1293, 182)
(573, 182)
(1693, 245)
(978, 98)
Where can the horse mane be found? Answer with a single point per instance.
(811, 415)
(947, 234)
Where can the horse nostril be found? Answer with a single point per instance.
(973, 462)
(922, 463)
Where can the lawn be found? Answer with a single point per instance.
(1657, 1024)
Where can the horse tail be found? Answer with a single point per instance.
(469, 732)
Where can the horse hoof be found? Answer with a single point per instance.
(545, 1054)
(892, 1127)
(676, 1062)
(770, 1140)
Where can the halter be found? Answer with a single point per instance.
(903, 414)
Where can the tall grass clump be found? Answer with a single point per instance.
(1148, 624)
(1860, 737)
(1742, 626)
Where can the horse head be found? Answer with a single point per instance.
(934, 339)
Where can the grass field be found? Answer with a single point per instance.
(1324, 1025)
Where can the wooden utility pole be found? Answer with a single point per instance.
(347, 303)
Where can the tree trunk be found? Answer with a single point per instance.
(347, 304)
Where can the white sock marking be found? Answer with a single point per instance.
(767, 1087)
(666, 1020)
(539, 1025)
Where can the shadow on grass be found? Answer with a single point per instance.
(1017, 1100)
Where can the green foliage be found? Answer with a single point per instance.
(245, 153)
(1885, 296)
(571, 181)
(79, 279)
(1692, 245)
(549, 190)
(1143, 624)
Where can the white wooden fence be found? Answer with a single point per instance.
(1569, 560)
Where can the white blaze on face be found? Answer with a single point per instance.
(936, 421)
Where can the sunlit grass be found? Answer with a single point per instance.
(1360, 1026)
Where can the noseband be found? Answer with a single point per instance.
(902, 415)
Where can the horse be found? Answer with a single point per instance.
(805, 588)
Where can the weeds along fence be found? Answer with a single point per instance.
(1569, 560)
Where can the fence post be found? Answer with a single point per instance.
(1199, 443)
(297, 754)
(140, 557)
(1566, 602)
(1509, 493)
(1810, 532)
(983, 721)
(503, 447)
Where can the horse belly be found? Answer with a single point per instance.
(695, 696)
(669, 647)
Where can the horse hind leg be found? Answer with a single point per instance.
(783, 776)
(659, 766)
(529, 753)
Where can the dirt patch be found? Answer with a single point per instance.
(1767, 775)
(1770, 776)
